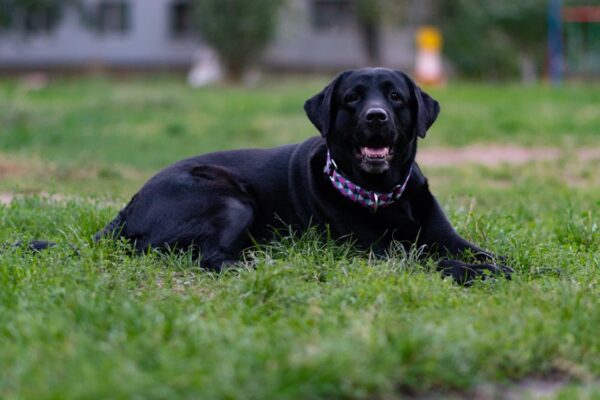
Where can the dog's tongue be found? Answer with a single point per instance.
(375, 152)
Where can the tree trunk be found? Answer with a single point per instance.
(234, 70)
(371, 33)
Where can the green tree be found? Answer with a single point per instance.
(490, 38)
(238, 30)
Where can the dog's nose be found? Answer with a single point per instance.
(376, 115)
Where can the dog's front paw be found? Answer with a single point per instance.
(465, 274)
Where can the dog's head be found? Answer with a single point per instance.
(371, 119)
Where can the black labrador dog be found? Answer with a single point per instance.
(357, 180)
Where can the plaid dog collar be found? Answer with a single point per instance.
(366, 198)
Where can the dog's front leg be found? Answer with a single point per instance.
(439, 236)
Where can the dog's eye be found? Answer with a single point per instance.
(351, 98)
(395, 97)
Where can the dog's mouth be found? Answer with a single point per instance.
(374, 159)
(375, 153)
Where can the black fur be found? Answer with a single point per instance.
(218, 203)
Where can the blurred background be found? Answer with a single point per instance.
(478, 39)
(96, 95)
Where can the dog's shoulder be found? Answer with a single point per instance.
(417, 177)
(418, 185)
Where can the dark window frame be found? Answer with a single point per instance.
(39, 21)
(180, 16)
(34, 21)
(113, 17)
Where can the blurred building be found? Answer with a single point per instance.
(324, 34)
(159, 34)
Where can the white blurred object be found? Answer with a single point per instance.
(429, 66)
(205, 70)
(428, 63)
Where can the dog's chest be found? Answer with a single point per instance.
(375, 229)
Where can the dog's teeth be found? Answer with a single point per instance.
(375, 152)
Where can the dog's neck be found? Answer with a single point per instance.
(370, 199)
(386, 180)
(382, 182)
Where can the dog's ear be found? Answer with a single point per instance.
(427, 108)
(320, 107)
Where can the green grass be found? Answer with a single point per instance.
(299, 318)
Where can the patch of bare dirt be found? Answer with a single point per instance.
(11, 168)
(493, 155)
(589, 154)
(18, 167)
(6, 198)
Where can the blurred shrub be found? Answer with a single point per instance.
(238, 30)
(494, 39)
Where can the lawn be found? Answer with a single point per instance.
(300, 318)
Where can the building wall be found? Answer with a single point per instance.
(299, 45)
(150, 43)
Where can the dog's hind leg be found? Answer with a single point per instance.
(201, 208)
(231, 235)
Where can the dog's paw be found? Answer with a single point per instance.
(465, 274)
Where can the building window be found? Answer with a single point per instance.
(332, 14)
(32, 19)
(180, 18)
(113, 17)
(39, 20)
